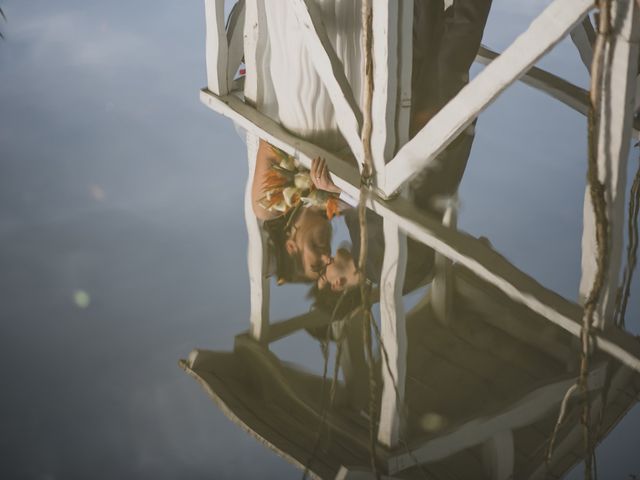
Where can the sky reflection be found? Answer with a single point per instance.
(122, 195)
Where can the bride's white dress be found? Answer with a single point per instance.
(293, 93)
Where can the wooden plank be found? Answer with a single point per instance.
(527, 410)
(614, 138)
(405, 71)
(393, 332)
(331, 71)
(235, 40)
(257, 254)
(391, 103)
(459, 247)
(344, 175)
(495, 269)
(583, 37)
(255, 43)
(216, 49)
(543, 33)
(571, 95)
(566, 92)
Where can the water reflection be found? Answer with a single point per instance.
(469, 382)
(482, 392)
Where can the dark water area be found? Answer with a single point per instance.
(123, 247)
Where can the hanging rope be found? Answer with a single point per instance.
(365, 186)
(598, 201)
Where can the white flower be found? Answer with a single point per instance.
(288, 194)
(288, 163)
(303, 181)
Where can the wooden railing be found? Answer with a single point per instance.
(397, 159)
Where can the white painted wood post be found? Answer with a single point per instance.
(614, 137)
(235, 39)
(257, 257)
(442, 287)
(392, 66)
(255, 44)
(583, 37)
(393, 332)
(543, 33)
(216, 48)
(498, 456)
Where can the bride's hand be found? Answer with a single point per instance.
(320, 176)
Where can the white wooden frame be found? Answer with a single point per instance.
(397, 160)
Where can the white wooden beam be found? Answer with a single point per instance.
(614, 138)
(498, 456)
(352, 473)
(583, 37)
(235, 39)
(543, 33)
(331, 71)
(216, 49)
(496, 270)
(257, 257)
(255, 43)
(344, 175)
(391, 103)
(464, 249)
(525, 411)
(571, 95)
(393, 332)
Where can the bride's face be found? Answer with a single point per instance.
(311, 239)
(341, 273)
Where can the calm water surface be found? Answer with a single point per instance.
(123, 247)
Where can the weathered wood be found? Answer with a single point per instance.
(352, 473)
(405, 72)
(344, 175)
(257, 254)
(496, 270)
(583, 37)
(543, 33)
(216, 47)
(235, 39)
(614, 137)
(498, 456)
(393, 332)
(466, 250)
(513, 319)
(255, 42)
(531, 407)
(571, 95)
(331, 71)
(391, 104)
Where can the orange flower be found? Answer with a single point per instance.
(332, 207)
(274, 180)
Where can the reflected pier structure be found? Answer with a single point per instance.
(472, 378)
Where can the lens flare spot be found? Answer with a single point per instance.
(81, 299)
(432, 422)
(97, 193)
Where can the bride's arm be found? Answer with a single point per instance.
(264, 159)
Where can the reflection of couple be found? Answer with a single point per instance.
(445, 44)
